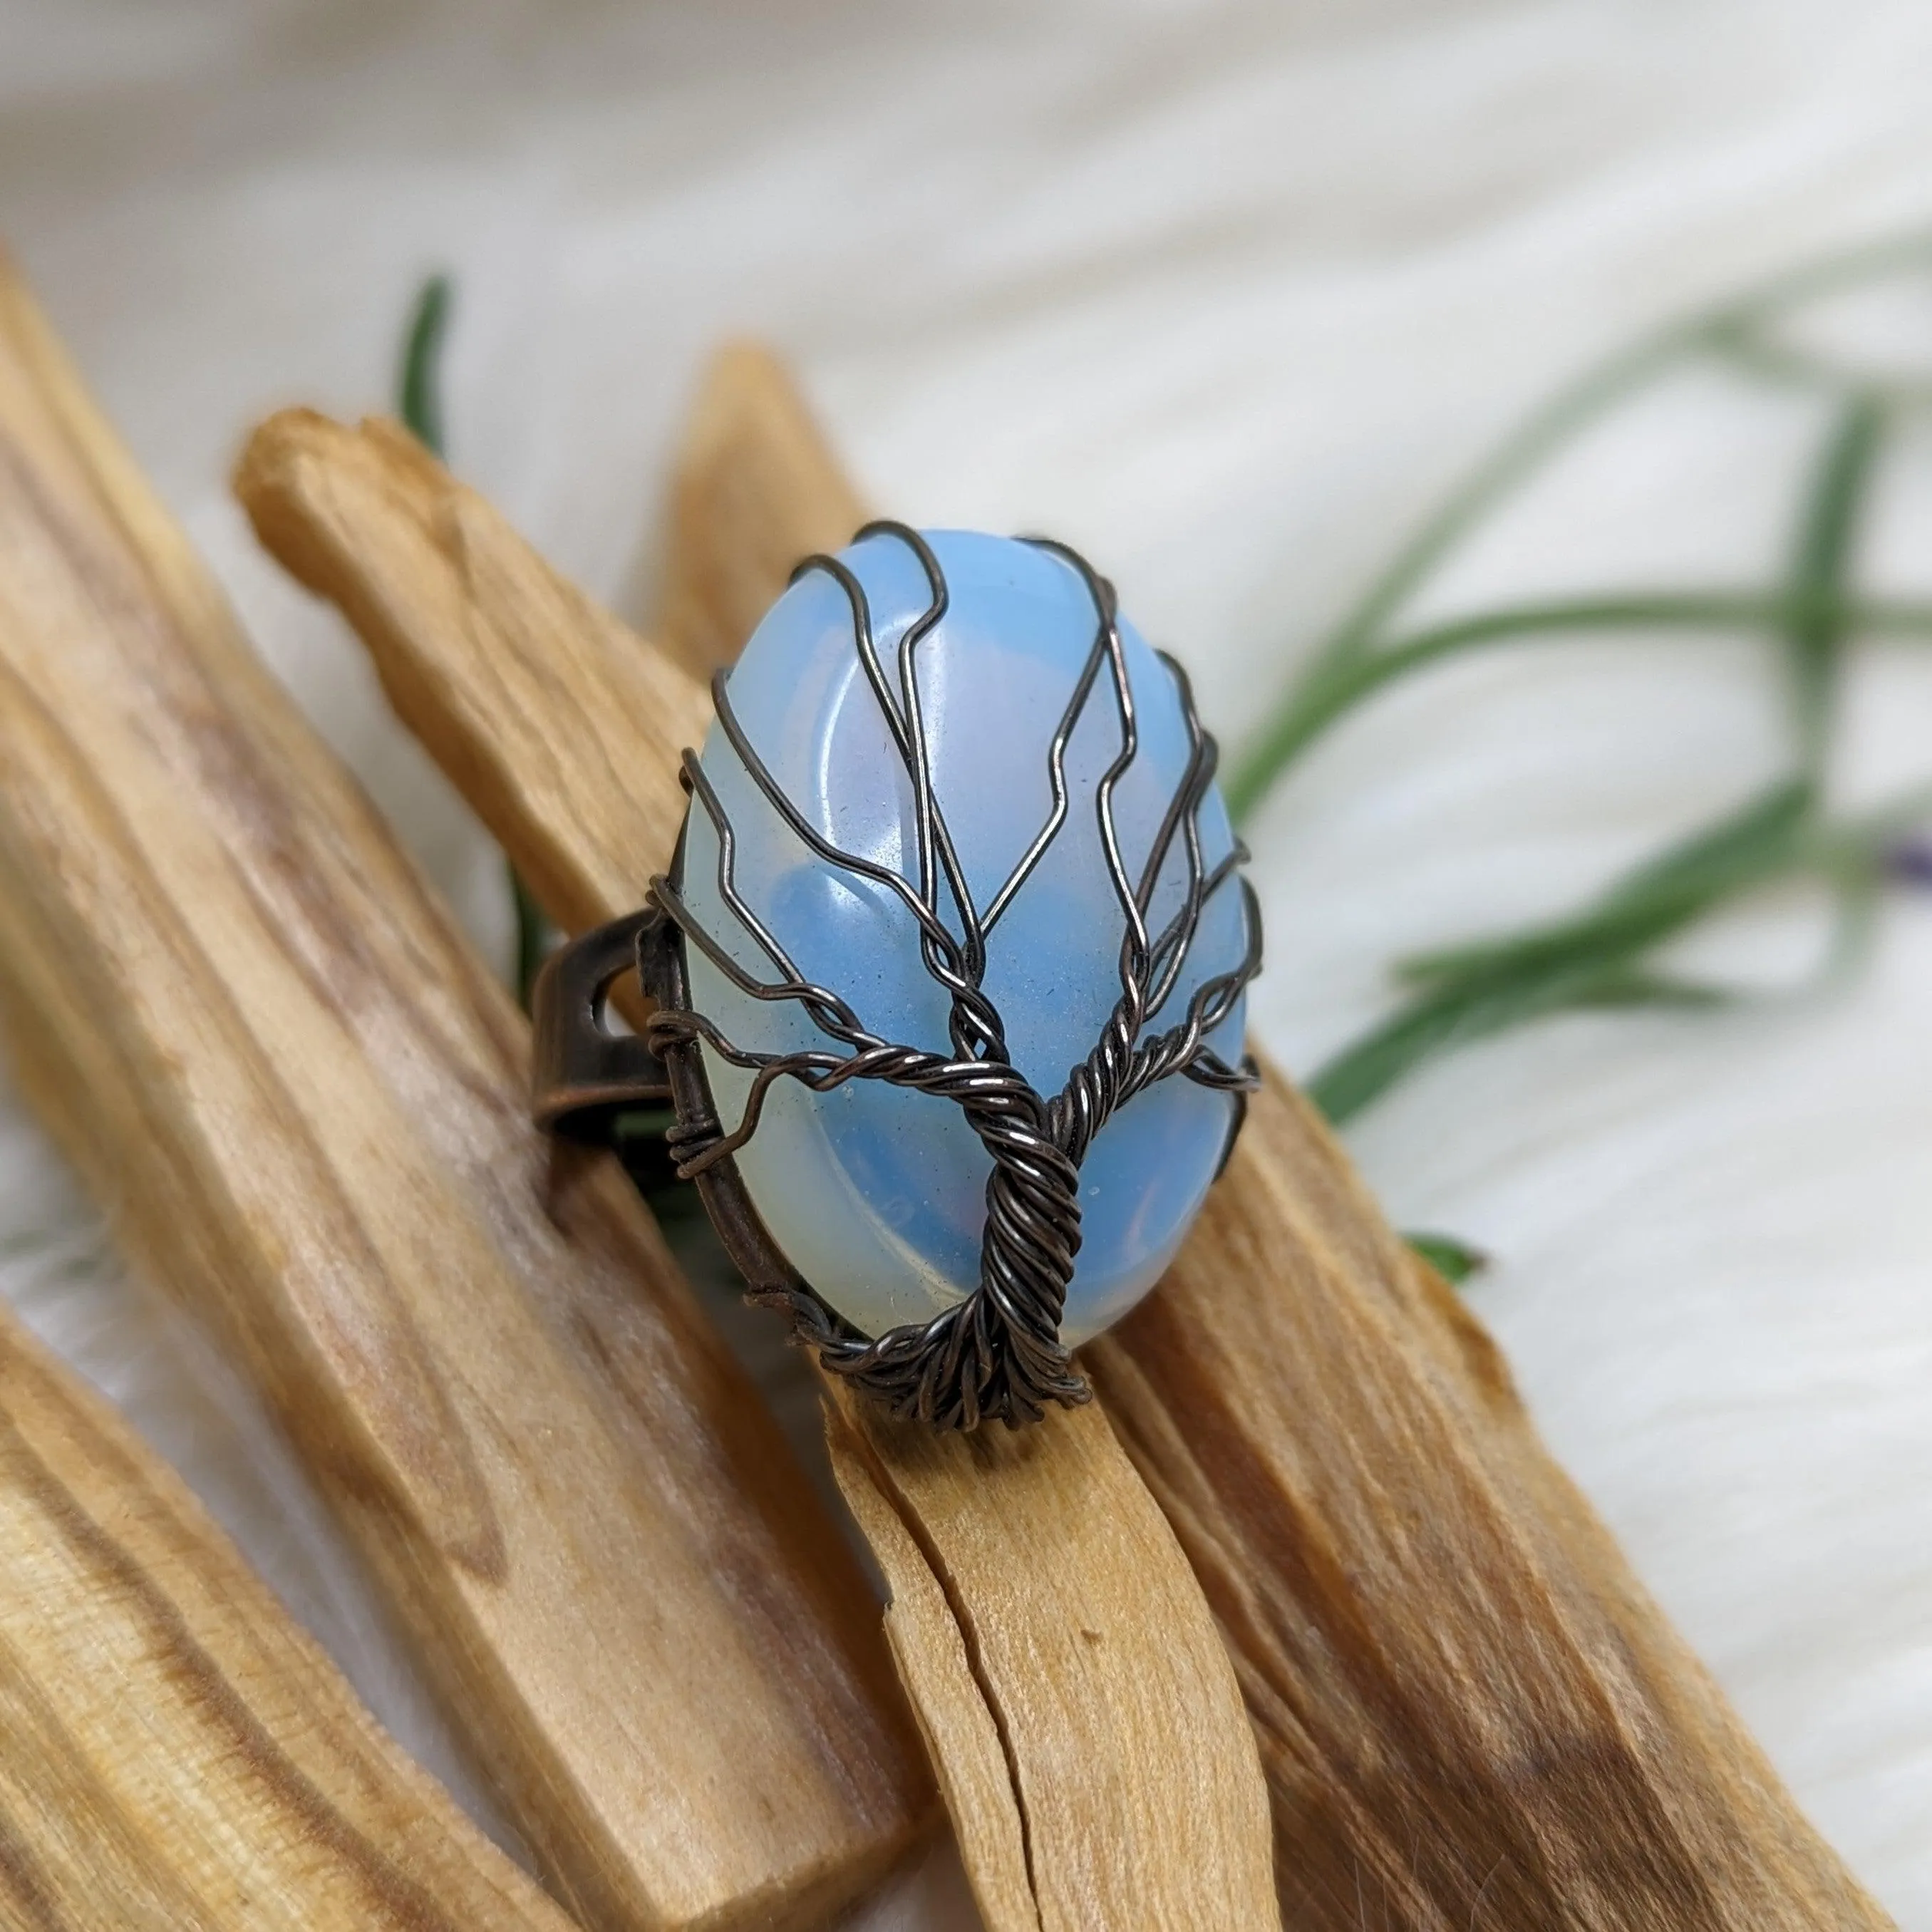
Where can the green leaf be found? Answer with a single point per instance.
(1592, 960)
(1761, 841)
(419, 386)
(1331, 682)
(1637, 988)
(1599, 956)
(535, 936)
(1826, 532)
(1420, 1031)
(1738, 848)
(1330, 692)
(1455, 1260)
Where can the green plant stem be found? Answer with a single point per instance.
(533, 938)
(1649, 902)
(1321, 701)
(1546, 430)
(419, 385)
(1339, 659)
(1823, 621)
(1592, 959)
(1732, 329)
(1595, 958)
(1792, 367)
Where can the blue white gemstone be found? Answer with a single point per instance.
(876, 1194)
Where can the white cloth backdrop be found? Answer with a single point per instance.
(1225, 293)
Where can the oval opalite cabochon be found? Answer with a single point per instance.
(876, 1194)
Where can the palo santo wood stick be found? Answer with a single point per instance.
(1089, 1743)
(176, 1756)
(755, 481)
(304, 1099)
(1466, 1703)
(1089, 1730)
(1469, 1710)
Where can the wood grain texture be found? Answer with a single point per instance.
(176, 1756)
(1090, 1748)
(1470, 1712)
(302, 1099)
(1468, 1707)
(1125, 1790)
(755, 483)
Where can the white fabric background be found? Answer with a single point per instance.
(1225, 293)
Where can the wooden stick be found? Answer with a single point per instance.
(1467, 1704)
(1469, 1710)
(1089, 1745)
(176, 1756)
(755, 487)
(1088, 1727)
(303, 1098)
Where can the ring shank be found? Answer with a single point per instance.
(583, 1074)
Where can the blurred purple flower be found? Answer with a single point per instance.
(1910, 862)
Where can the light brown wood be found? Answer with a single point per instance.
(1082, 1734)
(176, 1756)
(1470, 1712)
(755, 487)
(302, 1099)
(1125, 1791)
(1467, 1704)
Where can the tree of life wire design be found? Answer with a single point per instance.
(997, 1355)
